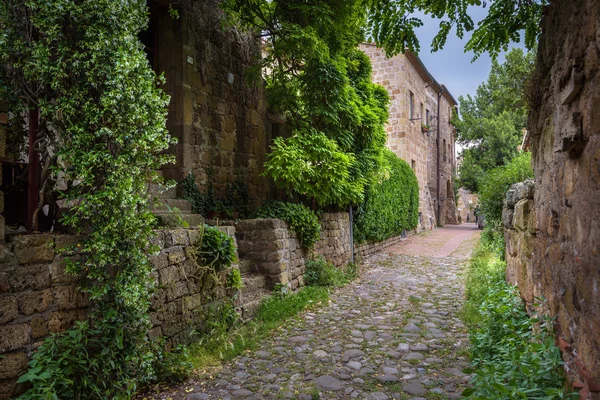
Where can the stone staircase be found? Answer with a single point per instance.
(254, 289)
(170, 210)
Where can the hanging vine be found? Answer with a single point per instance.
(102, 132)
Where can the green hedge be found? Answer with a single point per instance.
(390, 205)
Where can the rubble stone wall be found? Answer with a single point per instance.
(277, 253)
(564, 124)
(37, 298)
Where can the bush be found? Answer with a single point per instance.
(300, 219)
(390, 205)
(493, 186)
(215, 249)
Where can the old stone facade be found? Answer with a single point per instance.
(418, 100)
(565, 136)
(218, 116)
(465, 207)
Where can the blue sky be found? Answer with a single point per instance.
(451, 66)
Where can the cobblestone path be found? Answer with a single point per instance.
(393, 334)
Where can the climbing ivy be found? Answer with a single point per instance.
(391, 204)
(102, 114)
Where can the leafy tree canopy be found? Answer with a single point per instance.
(391, 23)
(493, 119)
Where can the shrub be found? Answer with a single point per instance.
(215, 249)
(390, 206)
(320, 272)
(496, 182)
(299, 217)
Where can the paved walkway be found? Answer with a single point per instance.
(393, 334)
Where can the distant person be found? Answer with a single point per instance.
(476, 213)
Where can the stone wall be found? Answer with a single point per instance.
(37, 298)
(565, 134)
(365, 249)
(218, 116)
(277, 253)
(518, 219)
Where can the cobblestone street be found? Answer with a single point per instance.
(395, 333)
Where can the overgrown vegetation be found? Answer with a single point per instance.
(513, 354)
(497, 181)
(300, 218)
(391, 204)
(321, 83)
(320, 272)
(227, 338)
(233, 204)
(102, 130)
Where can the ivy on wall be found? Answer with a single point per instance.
(103, 117)
(391, 205)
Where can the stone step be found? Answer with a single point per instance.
(251, 303)
(247, 266)
(252, 283)
(167, 205)
(175, 220)
(161, 192)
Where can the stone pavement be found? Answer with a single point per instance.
(393, 334)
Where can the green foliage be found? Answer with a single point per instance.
(215, 249)
(391, 23)
(236, 197)
(224, 341)
(300, 218)
(391, 204)
(234, 279)
(492, 120)
(320, 272)
(513, 355)
(317, 78)
(103, 114)
(497, 181)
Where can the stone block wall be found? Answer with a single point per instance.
(277, 253)
(564, 124)
(520, 234)
(217, 114)
(37, 298)
(365, 249)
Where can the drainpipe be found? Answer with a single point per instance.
(34, 166)
(351, 234)
(439, 204)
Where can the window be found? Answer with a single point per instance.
(427, 117)
(444, 148)
(422, 114)
(413, 164)
(411, 105)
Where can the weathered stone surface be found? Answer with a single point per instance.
(34, 248)
(522, 212)
(13, 365)
(8, 308)
(31, 276)
(328, 382)
(14, 337)
(34, 302)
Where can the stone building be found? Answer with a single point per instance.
(420, 130)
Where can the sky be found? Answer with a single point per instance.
(451, 66)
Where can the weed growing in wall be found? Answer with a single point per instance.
(320, 272)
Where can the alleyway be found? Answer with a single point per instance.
(393, 334)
